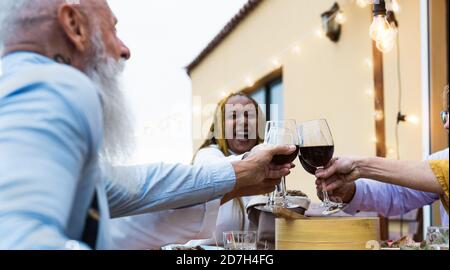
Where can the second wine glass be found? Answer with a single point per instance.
(282, 133)
(316, 151)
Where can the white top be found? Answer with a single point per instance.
(178, 226)
(230, 215)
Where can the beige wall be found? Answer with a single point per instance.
(327, 80)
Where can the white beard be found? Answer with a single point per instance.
(118, 144)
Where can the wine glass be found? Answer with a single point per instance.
(316, 151)
(282, 133)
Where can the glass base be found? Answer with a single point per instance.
(332, 208)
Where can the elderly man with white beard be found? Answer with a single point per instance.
(63, 127)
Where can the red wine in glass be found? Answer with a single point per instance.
(313, 157)
(286, 159)
(310, 169)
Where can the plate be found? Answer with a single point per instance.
(187, 247)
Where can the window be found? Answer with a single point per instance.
(271, 98)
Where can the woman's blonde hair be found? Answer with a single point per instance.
(216, 136)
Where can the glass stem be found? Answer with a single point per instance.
(272, 197)
(326, 199)
(283, 188)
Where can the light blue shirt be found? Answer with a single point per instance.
(50, 134)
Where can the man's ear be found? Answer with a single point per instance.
(74, 25)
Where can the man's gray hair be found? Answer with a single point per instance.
(17, 14)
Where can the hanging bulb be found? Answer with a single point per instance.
(387, 39)
(378, 26)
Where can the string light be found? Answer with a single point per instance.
(320, 33)
(370, 92)
(379, 115)
(276, 62)
(412, 119)
(375, 139)
(223, 94)
(340, 18)
(249, 82)
(368, 63)
(395, 6)
(362, 3)
(296, 49)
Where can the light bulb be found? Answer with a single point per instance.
(379, 115)
(370, 92)
(387, 39)
(276, 62)
(249, 82)
(340, 18)
(412, 119)
(296, 49)
(320, 33)
(368, 63)
(378, 26)
(362, 3)
(395, 6)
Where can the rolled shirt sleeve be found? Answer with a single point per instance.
(172, 186)
(387, 200)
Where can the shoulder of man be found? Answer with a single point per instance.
(66, 83)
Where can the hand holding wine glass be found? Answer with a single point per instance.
(256, 174)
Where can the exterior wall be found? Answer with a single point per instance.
(326, 80)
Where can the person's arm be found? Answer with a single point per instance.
(386, 199)
(175, 186)
(411, 174)
(213, 154)
(171, 186)
(44, 144)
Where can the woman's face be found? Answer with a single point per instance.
(241, 121)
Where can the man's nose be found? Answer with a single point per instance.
(125, 52)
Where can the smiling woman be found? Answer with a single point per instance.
(155, 80)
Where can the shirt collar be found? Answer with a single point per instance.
(14, 59)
